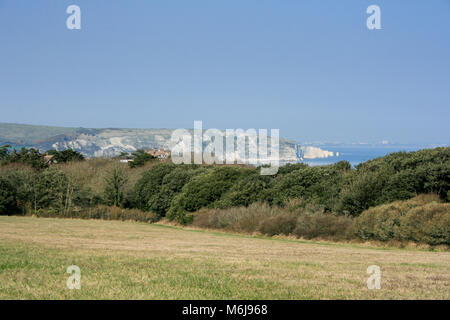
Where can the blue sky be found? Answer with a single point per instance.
(310, 68)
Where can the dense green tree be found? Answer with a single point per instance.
(27, 156)
(172, 184)
(52, 190)
(66, 155)
(149, 185)
(204, 190)
(4, 151)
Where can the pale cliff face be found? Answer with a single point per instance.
(112, 142)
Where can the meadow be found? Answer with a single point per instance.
(133, 260)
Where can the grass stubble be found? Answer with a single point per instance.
(129, 260)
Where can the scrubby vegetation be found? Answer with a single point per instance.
(421, 219)
(369, 202)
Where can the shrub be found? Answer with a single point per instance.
(114, 186)
(397, 176)
(21, 179)
(249, 189)
(171, 185)
(140, 158)
(362, 193)
(66, 155)
(203, 191)
(283, 223)
(320, 185)
(149, 185)
(273, 220)
(105, 213)
(51, 190)
(429, 223)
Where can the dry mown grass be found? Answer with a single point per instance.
(140, 261)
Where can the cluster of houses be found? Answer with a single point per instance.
(160, 153)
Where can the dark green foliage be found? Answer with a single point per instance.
(4, 151)
(149, 186)
(421, 219)
(320, 185)
(249, 189)
(114, 186)
(22, 180)
(52, 190)
(172, 185)
(325, 226)
(140, 158)
(8, 203)
(318, 197)
(105, 213)
(66, 155)
(397, 176)
(25, 156)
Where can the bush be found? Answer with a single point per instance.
(66, 155)
(319, 185)
(21, 179)
(52, 190)
(239, 219)
(105, 213)
(272, 220)
(283, 223)
(397, 176)
(204, 190)
(140, 158)
(171, 185)
(149, 185)
(114, 186)
(249, 189)
(421, 219)
(324, 226)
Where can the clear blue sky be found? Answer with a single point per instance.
(310, 68)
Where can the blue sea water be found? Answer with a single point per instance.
(357, 153)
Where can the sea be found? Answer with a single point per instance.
(355, 154)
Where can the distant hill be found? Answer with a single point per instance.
(103, 142)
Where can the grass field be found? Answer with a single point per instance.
(126, 260)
